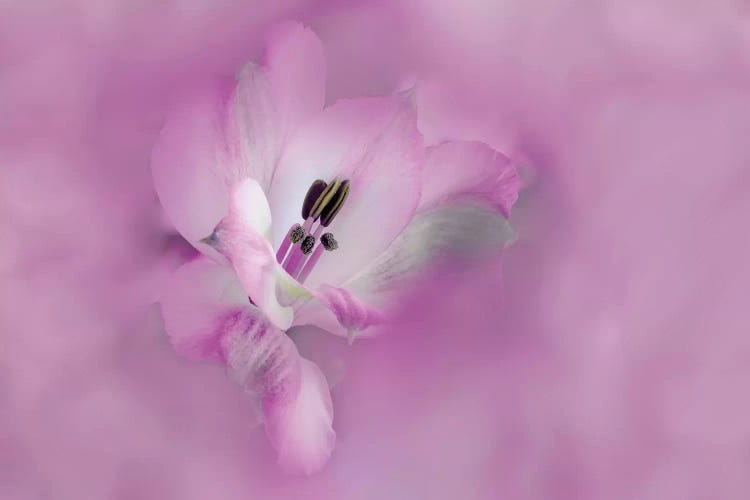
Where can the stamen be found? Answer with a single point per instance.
(325, 198)
(333, 208)
(297, 234)
(285, 243)
(304, 254)
(327, 242)
(295, 254)
(321, 204)
(298, 256)
(307, 245)
(313, 194)
(310, 264)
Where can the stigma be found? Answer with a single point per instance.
(303, 245)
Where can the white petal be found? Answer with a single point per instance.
(375, 144)
(249, 207)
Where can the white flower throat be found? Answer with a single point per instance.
(321, 205)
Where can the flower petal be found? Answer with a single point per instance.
(241, 238)
(351, 313)
(218, 136)
(294, 395)
(301, 430)
(272, 100)
(199, 297)
(468, 188)
(469, 171)
(186, 163)
(297, 73)
(340, 312)
(373, 142)
(468, 192)
(444, 234)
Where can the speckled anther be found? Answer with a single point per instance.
(329, 242)
(297, 252)
(307, 245)
(297, 234)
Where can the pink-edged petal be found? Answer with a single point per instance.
(461, 220)
(373, 142)
(301, 430)
(187, 163)
(462, 171)
(242, 238)
(451, 234)
(272, 99)
(339, 311)
(350, 312)
(467, 195)
(296, 64)
(195, 304)
(455, 235)
(293, 392)
(224, 133)
(468, 192)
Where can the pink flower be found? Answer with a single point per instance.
(360, 208)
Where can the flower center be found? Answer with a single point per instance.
(298, 253)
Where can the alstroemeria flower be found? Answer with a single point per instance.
(360, 208)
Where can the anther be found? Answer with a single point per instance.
(316, 189)
(332, 209)
(329, 242)
(307, 245)
(297, 234)
(325, 198)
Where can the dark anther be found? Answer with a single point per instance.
(307, 245)
(316, 189)
(329, 242)
(333, 208)
(325, 198)
(297, 234)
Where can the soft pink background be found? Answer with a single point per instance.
(614, 361)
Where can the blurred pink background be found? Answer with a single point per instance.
(612, 361)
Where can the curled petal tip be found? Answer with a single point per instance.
(209, 240)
